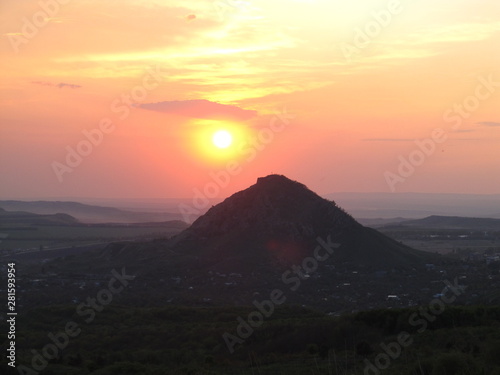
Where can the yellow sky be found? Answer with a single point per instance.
(151, 81)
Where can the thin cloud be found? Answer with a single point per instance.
(463, 131)
(58, 85)
(469, 139)
(388, 139)
(489, 123)
(200, 109)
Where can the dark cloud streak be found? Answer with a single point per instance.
(200, 109)
(389, 139)
(489, 123)
(58, 85)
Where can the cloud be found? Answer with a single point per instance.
(463, 131)
(389, 139)
(58, 85)
(200, 109)
(489, 123)
(471, 139)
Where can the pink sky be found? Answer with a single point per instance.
(331, 94)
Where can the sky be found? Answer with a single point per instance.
(121, 99)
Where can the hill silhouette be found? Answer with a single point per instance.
(29, 218)
(278, 220)
(86, 213)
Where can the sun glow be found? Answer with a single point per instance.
(222, 139)
(217, 142)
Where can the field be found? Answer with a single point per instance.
(451, 235)
(23, 238)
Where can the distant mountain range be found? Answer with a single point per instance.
(368, 208)
(452, 222)
(88, 213)
(28, 218)
(418, 205)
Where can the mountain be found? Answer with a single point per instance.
(87, 213)
(28, 219)
(380, 222)
(453, 222)
(279, 221)
(418, 205)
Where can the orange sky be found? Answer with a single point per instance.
(328, 93)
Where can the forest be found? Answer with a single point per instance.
(294, 340)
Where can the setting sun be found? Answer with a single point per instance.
(222, 139)
(212, 142)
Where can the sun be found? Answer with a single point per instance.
(217, 142)
(222, 139)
